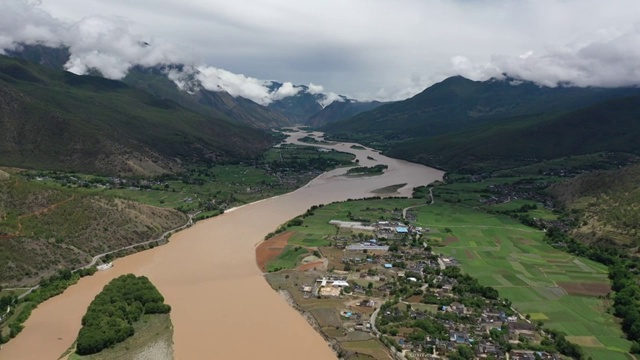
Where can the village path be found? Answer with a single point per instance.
(404, 211)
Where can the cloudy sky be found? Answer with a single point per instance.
(367, 49)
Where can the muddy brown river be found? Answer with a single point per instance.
(222, 307)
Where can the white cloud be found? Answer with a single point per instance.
(368, 49)
(107, 44)
(315, 89)
(608, 61)
(287, 89)
(215, 79)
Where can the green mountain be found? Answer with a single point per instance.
(154, 80)
(458, 103)
(297, 108)
(211, 103)
(340, 110)
(612, 126)
(57, 120)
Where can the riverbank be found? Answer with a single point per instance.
(211, 267)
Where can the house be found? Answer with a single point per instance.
(459, 337)
(388, 266)
(402, 230)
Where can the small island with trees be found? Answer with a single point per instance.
(126, 306)
(367, 171)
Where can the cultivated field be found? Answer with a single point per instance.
(559, 289)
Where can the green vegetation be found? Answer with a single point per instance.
(512, 258)
(152, 340)
(568, 293)
(608, 204)
(38, 236)
(288, 259)
(111, 315)
(458, 103)
(142, 135)
(368, 171)
(460, 125)
(609, 126)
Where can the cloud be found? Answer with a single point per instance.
(107, 44)
(215, 79)
(607, 61)
(315, 89)
(366, 49)
(287, 89)
(24, 22)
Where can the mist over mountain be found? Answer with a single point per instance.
(182, 84)
(51, 119)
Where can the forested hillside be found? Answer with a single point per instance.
(57, 120)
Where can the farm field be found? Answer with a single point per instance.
(552, 286)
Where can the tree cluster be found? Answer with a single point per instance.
(111, 315)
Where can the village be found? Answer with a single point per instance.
(385, 282)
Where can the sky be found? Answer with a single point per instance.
(365, 49)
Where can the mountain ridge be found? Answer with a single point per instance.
(60, 121)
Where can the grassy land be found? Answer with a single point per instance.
(288, 259)
(371, 348)
(511, 257)
(153, 339)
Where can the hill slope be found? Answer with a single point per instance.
(340, 110)
(458, 103)
(57, 120)
(38, 237)
(610, 203)
(154, 80)
(610, 126)
(210, 103)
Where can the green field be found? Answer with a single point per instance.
(540, 212)
(288, 259)
(511, 257)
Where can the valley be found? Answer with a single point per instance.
(223, 268)
(493, 219)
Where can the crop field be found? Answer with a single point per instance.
(288, 259)
(540, 212)
(369, 347)
(552, 286)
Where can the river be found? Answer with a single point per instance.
(222, 307)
